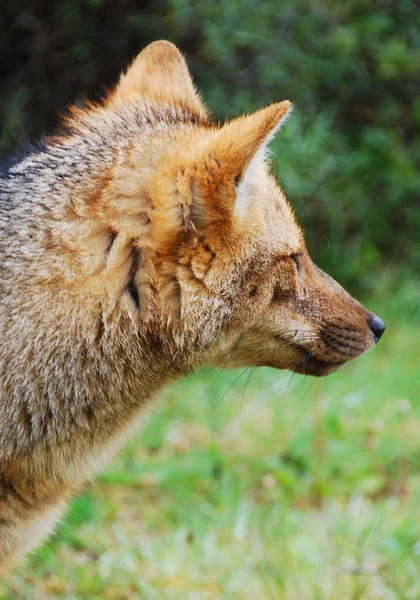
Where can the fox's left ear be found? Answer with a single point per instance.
(160, 73)
(210, 183)
(236, 157)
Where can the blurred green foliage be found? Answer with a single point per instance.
(349, 156)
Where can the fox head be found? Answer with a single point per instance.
(220, 258)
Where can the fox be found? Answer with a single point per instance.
(142, 241)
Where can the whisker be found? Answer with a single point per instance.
(327, 176)
(340, 345)
(338, 336)
(289, 382)
(247, 381)
(230, 387)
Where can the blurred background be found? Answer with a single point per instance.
(259, 485)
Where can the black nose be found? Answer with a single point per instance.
(377, 326)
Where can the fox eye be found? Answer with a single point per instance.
(297, 260)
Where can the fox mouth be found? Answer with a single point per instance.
(310, 365)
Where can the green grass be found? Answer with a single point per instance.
(283, 488)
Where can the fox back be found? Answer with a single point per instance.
(141, 242)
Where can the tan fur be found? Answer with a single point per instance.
(144, 241)
(160, 74)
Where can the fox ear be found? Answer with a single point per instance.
(160, 73)
(210, 181)
(235, 157)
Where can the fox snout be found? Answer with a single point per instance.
(344, 335)
(336, 343)
(313, 329)
(341, 328)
